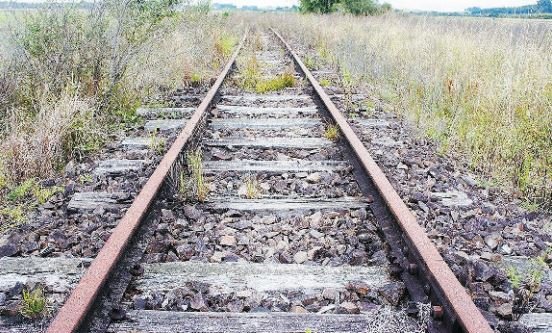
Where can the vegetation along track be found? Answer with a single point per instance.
(267, 214)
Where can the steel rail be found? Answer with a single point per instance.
(74, 311)
(466, 313)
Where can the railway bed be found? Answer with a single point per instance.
(298, 232)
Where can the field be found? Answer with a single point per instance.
(479, 87)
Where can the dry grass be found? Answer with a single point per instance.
(480, 87)
(65, 88)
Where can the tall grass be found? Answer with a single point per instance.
(480, 87)
(70, 76)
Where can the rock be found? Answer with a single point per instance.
(359, 287)
(348, 308)
(330, 294)
(315, 219)
(314, 177)
(167, 215)
(185, 251)
(7, 248)
(505, 311)
(493, 240)
(139, 303)
(217, 256)
(192, 213)
(300, 257)
(483, 272)
(227, 240)
(326, 308)
(198, 303)
(298, 309)
(393, 292)
(316, 234)
(235, 306)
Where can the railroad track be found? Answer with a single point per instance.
(297, 232)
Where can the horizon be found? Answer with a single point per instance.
(420, 5)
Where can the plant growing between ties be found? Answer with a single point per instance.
(195, 168)
(332, 132)
(34, 304)
(251, 187)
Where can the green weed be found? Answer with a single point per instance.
(195, 167)
(88, 178)
(225, 45)
(34, 304)
(274, 84)
(514, 276)
(196, 79)
(250, 75)
(325, 83)
(156, 143)
(23, 190)
(310, 62)
(332, 132)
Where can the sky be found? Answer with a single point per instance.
(438, 5)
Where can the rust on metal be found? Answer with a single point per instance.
(467, 314)
(75, 309)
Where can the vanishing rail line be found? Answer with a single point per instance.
(280, 137)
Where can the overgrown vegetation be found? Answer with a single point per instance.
(252, 80)
(70, 76)
(479, 87)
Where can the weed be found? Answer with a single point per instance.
(21, 191)
(310, 62)
(514, 276)
(195, 167)
(332, 132)
(274, 84)
(157, 144)
(224, 45)
(182, 185)
(196, 79)
(88, 178)
(3, 181)
(34, 304)
(250, 74)
(251, 187)
(43, 194)
(325, 83)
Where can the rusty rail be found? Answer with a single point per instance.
(82, 298)
(464, 310)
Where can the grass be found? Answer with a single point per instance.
(34, 304)
(331, 132)
(276, 83)
(66, 112)
(195, 167)
(479, 87)
(157, 144)
(251, 187)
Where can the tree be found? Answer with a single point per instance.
(544, 6)
(317, 6)
(360, 7)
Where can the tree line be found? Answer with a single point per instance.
(541, 7)
(356, 7)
